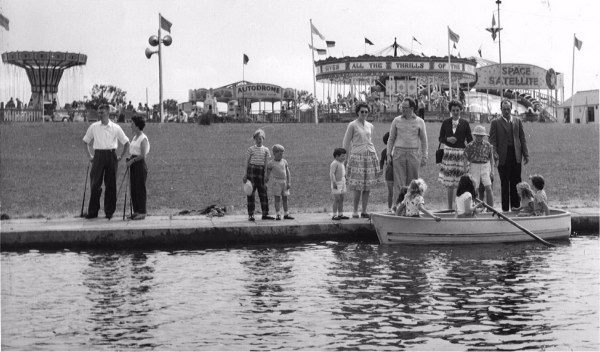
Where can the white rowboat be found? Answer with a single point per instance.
(485, 228)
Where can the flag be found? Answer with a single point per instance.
(246, 59)
(321, 51)
(493, 20)
(454, 46)
(415, 39)
(479, 51)
(165, 24)
(367, 41)
(3, 22)
(453, 36)
(330, 43)
(316, 31)
(578, 43)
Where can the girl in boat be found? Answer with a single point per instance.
(465, 193)
(414, 203)
(526, 194)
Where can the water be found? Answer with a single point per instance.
(318, 296)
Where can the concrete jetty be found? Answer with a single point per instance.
(199, 231)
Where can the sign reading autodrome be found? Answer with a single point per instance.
(348, 67)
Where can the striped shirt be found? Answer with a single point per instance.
(258, 154)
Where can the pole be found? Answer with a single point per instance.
(572, 112)
(312, 45)
(449, 74)
(160, 82)
(500, 52)
(147, 107)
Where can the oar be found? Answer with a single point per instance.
(87, 174)
(500, 215)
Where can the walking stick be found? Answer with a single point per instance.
(87, 174)
(125, 200)
(121, 186)
(500, 215)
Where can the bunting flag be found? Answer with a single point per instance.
(330, 43)
(316, 31)
(4, 22)
(578, 43)
(367, 41)
(165, 24)
(453, 36)
(415, 39)
(246, 59)
(479, 51)
(321, 51)
(454, 46)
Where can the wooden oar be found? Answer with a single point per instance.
(500, 215)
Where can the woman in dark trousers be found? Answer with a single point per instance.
(455, 133)
(138, 171)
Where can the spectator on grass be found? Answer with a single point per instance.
(256, 168)
(104, 137)
(138, 170)
(362, 165)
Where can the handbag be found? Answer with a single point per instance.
(439, 154)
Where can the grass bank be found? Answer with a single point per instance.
(42, 166)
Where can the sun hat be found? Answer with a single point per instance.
(247, 188)
(480, 130)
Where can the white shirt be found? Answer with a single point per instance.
(135, 147)
(460, 202)
(105, 136)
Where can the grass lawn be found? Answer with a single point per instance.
(43, 166)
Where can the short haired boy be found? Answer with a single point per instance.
(540, 200)
(480, 155)
(279, 170)
(337, 175)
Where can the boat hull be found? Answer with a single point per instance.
(485, 228)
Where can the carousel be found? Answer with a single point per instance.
(247, 101)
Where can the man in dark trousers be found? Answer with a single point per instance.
(105, 136)
(508, 138)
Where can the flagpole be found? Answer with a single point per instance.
(314, 74)
(243, 90)
(500, 51)
(160, 85)
(449, 64)
(572, 114)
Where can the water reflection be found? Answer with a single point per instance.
(118, 286)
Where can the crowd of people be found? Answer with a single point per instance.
(467, 162)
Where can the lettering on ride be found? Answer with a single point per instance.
(453, 67)
(516, 76)
(259, 88)
(409, 65)
(330, 68)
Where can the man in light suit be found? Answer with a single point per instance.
(508, 138)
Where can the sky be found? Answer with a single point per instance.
(211, 36)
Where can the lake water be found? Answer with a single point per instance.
(313, 296)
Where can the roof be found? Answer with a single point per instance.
(583, 98)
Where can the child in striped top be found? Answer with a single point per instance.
(256, 167)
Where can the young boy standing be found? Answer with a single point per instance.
(337, 174)
(280, 172)
(480, 155)
(256, 166)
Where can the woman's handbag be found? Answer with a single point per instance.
(439, 154)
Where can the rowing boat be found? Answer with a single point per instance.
(485, 228)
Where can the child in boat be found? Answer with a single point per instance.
(279, 171)
(413, 203)
(465, 192)
(337, 175)
(400, 211)
(389, 174)
(256, 166)
(540, 201)
(526, 195)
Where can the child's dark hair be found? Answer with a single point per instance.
(402, 194)
(338, 151)
(537, 181)
(386, 136)
(466, 184)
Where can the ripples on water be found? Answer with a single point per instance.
(324, 296)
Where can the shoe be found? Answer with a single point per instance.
(343, 217)
(278, 217)
(355, 216)
(109, 216)
(390, 211)
(335, 217)
(288, 217)
(250, 217)
(267, 217)
(365, 216)
(138, 217)
(91, 216)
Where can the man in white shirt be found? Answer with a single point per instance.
(104, 137)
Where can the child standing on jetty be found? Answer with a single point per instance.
(389, 173)
(540, 200)
(256, 167)
(480, 155)
(337, 174)
(278, 170)
(414, 203)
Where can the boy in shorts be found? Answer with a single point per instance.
(337, 174)
(480, 155)
(279, 170)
